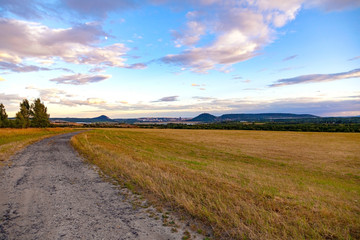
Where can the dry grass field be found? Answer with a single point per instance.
(12, 140)
(244, 184)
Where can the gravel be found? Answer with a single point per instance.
(49, 192)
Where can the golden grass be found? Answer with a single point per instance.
(12, 140)
(245, 184)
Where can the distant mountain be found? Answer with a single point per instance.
(204, 117)
(101, 118)
(208, 118)
(263, 116)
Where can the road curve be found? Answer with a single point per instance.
(50, 193)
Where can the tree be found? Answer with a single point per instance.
(3, 116)
(20, 120)
(23, 116)
(39, 114)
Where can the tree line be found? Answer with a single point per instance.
(29, 115)
(298, 127)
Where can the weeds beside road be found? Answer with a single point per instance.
(245, 184)
(13, 140)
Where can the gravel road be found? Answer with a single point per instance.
(49, 192)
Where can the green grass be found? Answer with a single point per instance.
(13, 140)
(255, 185)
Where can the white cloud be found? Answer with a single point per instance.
(21, 40)
(317, 78)
(240, 29)
(80, 79)
(229, 48)
(168, 99)
(191, 35)
(21, 67)
(240, 33)
(9, 97)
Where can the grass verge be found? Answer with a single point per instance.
(13, 140)
(244, 184)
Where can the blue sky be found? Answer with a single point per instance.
(169, 58)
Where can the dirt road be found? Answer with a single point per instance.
(50, 193)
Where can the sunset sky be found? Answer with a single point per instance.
(131, 58)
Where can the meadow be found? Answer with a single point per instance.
(13, 140)
(243, 184)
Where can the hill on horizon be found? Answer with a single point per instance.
(101, 118)
(209, 118)
(206, 117)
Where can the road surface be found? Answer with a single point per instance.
(50, 193)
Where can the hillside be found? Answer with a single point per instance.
(263, 116)
(206, 117)
(101, 118)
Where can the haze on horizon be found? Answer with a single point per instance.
(169, 58)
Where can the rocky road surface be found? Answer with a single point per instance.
(49, 192)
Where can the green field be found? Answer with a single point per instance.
(244, 184)
(12, 140)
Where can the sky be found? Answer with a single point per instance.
(168, 58)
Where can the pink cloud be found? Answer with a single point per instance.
(80, 79)
(22, 39)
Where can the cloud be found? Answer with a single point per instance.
(98, 8)
(97, 69)
(234, 31)
(21, 67)
(168, 99)
(333, 5)
(21, 40)
(236, 77)
(61, 97)
(191, 35)
(5, 57)
(200, 98)
(27, 9)
(80, 34)
(49, 94)
(80, 79)
(9, 97)
(240, 31)
(229, 49)
(241, 34)
(31, 9)
(94, 102)
(354, 58)
(317, 78)
(289, 58)
(137, 66)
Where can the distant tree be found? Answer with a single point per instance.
(20, 121)
(3, 116)
(40, 118)
(23, 116)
